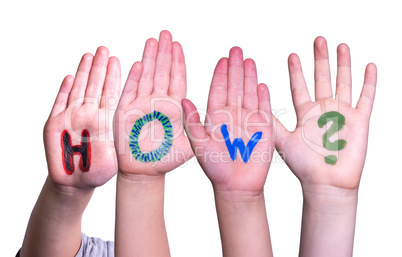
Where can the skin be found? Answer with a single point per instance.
(330, 191)
(238, 186)
(54, 228)
(158, 83)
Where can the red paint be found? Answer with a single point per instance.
(69, 150)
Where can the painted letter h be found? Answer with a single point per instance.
(84, 150)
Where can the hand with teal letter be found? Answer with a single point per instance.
(150, 142)
(234, 148)
(80, 155)
(327, 150)
(149, 134)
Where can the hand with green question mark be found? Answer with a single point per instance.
(327, 150)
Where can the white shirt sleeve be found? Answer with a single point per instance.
(95, 247)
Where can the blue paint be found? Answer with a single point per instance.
(157, 154)
(245, 151)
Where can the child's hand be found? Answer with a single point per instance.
(328, 167)
(80, 155)
(238, 113)
(235, 99)
(150, 142)
(154, 86)
(84, 104)
(303, 149)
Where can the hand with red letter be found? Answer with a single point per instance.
(80, 155)
(80, 118)
(327, 150)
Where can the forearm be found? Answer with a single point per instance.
(328, 225)
(243, 224)
(140, 224)
(54, 228)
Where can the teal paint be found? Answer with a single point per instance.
(158, 153)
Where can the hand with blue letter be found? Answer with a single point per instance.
(235, 145)
(238, 144)
(234, 148)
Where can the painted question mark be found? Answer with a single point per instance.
(338, 122)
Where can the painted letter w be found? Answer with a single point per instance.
(245, 151)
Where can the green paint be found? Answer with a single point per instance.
(331, 159)
(338, 123)
(157, 154)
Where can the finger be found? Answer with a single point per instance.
(111, 90)
(148, 60)
(130, 88)
(281, 133)
(344, 75)
(322, 75)
(250, 85)
(163, 63)
(366, 100)
(219, 85)
(97, 74)
(236, 77)
(61, 102)
(264, 102)
(192, 124)
(178, 82)
(298, 85)
(81, 79)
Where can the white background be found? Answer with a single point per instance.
(42, 41)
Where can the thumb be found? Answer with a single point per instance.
(192, 124)
(280, 133)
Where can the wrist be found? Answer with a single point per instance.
(141, 183)
(140, 178)
(239, 197)
(330, 200)
(67, 193)
(58, 206)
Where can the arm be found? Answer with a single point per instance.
(328, 223)
(236, 100)
(243, 224)
(148, 118)
(140, 224)
(55, 223)
(54, 228)
(328, 164)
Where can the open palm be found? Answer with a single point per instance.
(83, 103)
(154, 86)
(236, 100)
(303, 149)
